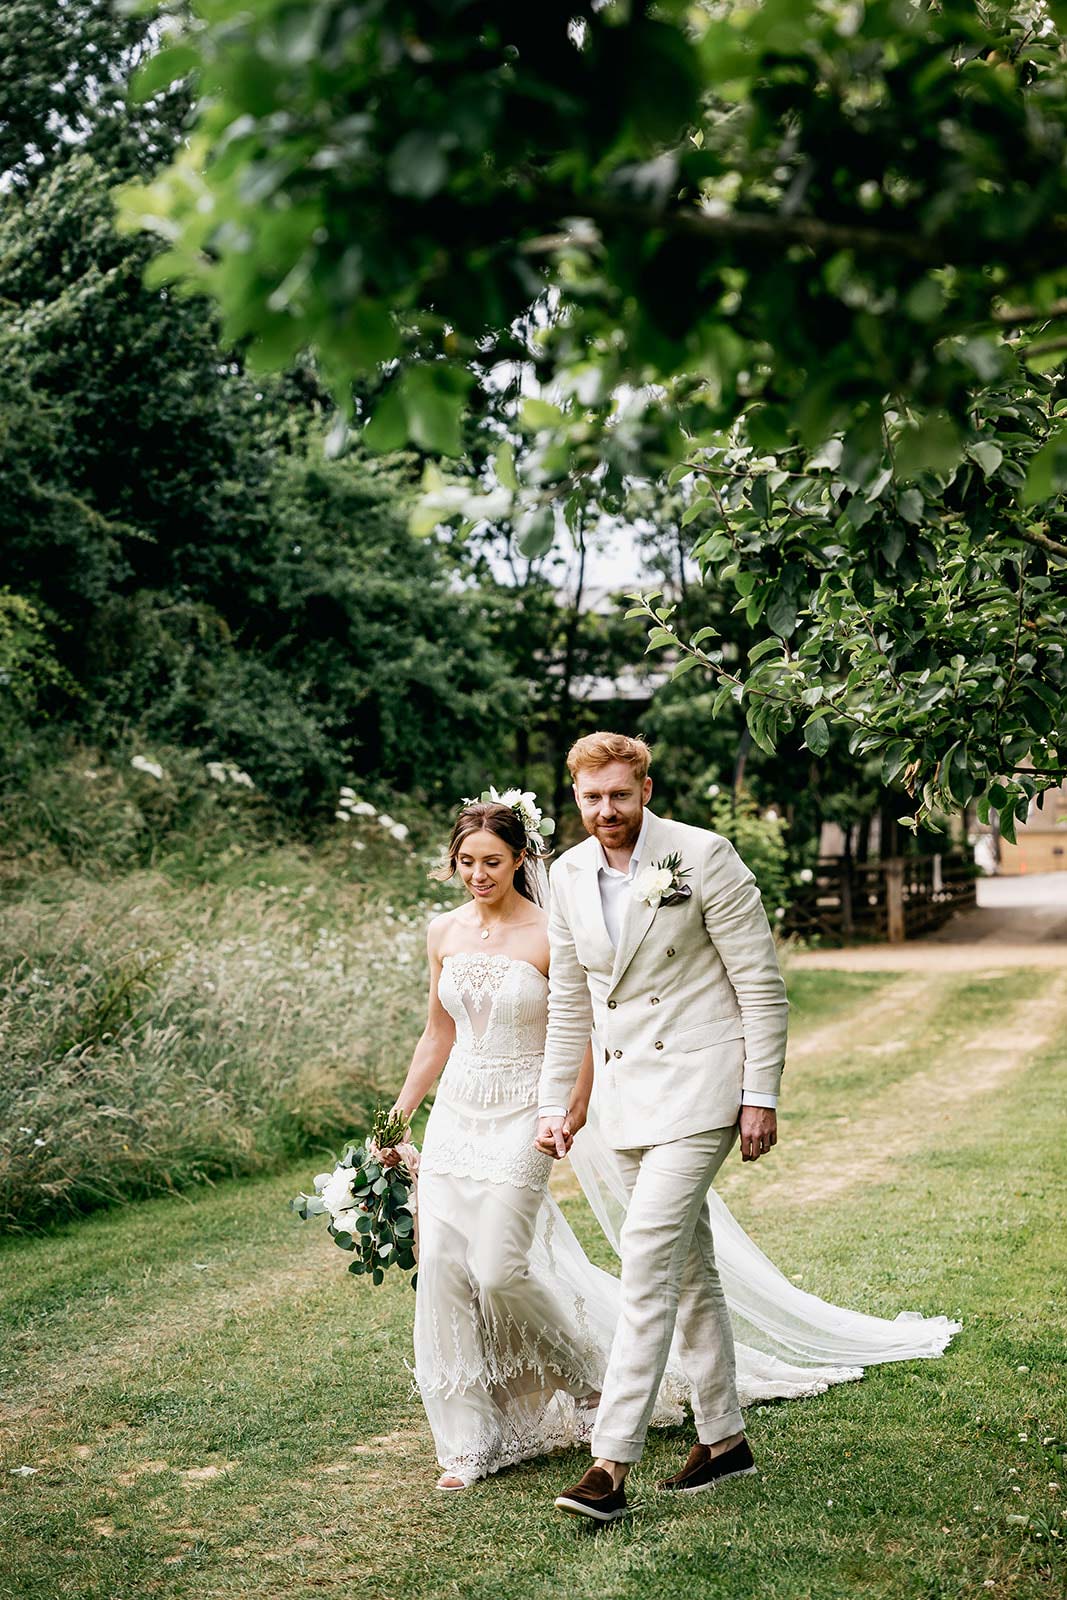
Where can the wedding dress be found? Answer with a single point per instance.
(513, 1322)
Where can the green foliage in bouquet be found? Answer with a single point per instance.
(368, 1203)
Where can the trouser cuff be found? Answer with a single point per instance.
(617, 1449)
(718, 1428)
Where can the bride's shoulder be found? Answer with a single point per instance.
(440, 926)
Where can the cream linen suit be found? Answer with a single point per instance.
(687, 1013)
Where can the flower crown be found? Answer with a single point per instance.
(523, 802)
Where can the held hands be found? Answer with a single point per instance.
(759, 1131)
(555, 1135)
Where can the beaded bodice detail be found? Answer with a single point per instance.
(499, 1005)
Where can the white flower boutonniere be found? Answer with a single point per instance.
(661, 883)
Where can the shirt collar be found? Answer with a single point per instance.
(603, 865)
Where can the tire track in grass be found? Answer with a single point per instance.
(904, 1115)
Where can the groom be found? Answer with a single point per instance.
(660, 945)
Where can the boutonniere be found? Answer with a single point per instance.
(661, 883)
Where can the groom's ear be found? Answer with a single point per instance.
(646, 791)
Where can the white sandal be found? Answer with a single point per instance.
(449, 1488)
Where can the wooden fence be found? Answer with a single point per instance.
(885, 900)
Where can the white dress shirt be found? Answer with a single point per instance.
(616, 887)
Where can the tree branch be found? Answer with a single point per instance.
(1036, 537)
(735, 226)
(1015, 316)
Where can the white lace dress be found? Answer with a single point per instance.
(513, 1322)
(504, 1353)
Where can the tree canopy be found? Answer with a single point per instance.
(809, 259)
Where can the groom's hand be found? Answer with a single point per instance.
(759, 1131)
(553, 1137)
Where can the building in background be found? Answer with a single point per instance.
(1042, 838)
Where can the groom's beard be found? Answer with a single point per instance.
(625, 834)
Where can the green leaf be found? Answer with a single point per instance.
(767, 428)
(387, 429)
(161, 70)
(686, 664)
(817, 734)
(1047, 473)
(433, 410)
(932, 445)
(765, 647)
(417, 166)
(725, 694)
(912, 507)
(504, 465)
(782, 614)
(703, 633)
(535, 414)
(660, 638)
(536, 533)
(365, 339)
(894, 760)
(988, 456)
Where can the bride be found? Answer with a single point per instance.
(513, 1322)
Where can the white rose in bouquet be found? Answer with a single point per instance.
(336, 1193)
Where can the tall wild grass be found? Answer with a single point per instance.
(183, 997)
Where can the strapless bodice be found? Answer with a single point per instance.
(499, 1005)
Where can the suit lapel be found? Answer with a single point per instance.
(639, 915)
(590, 907)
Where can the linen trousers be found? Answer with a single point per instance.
(669, 1279)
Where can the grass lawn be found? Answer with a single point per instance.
(214, 1408)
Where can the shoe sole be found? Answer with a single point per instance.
(713, 1483)
(578, 1508)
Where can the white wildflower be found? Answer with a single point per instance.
(151, 768)
(779, 913)
(385, 821)
(713, 791)
(806, 874)
(342, 816)
(363, 808)
(399, 831)
(346, 793)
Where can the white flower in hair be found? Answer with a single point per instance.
(523, 802)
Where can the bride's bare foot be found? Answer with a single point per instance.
(447, 1481)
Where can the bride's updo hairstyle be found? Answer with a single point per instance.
(486, 816)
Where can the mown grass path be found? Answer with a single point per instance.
(215, 1409)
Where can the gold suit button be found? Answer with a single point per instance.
(618, 1053)
(659, 1044)
(670, 952)
(612, 1004)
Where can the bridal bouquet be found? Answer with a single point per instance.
(371, 1205)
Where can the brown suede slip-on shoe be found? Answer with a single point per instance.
(594, 1496)
(702, 1471)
